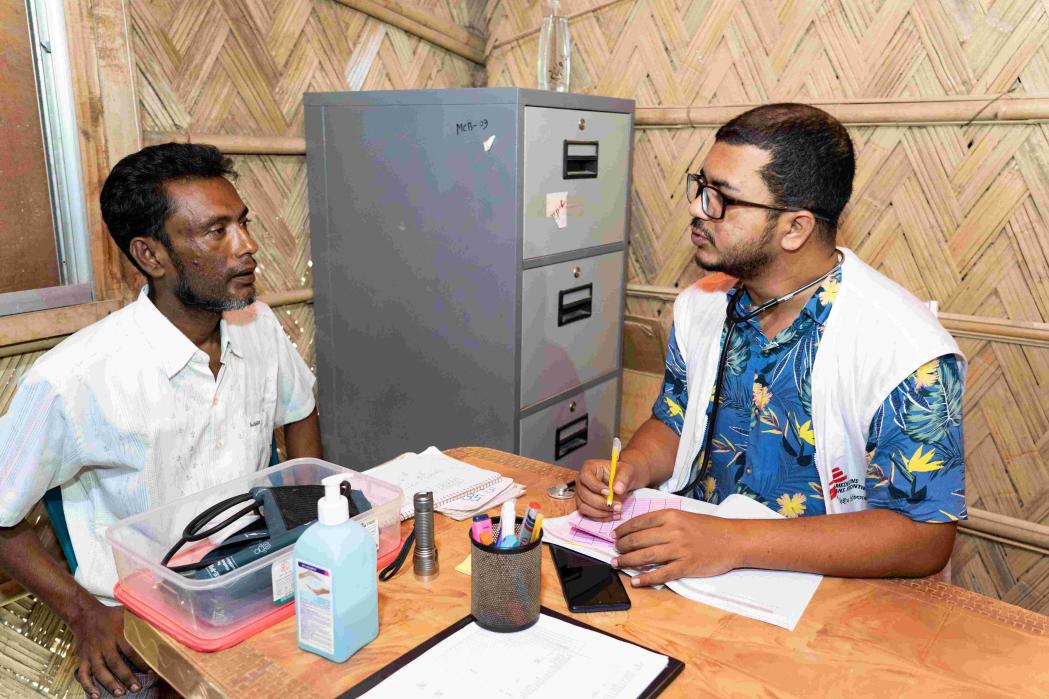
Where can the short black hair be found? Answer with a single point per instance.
(812, 162)
(133, 200)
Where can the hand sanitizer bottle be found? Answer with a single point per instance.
(336, 594)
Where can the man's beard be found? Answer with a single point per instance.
(191, 298)
(745, 260)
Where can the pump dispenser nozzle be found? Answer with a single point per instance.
(333, 508)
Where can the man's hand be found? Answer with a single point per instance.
(647, 460)
(683, 544)
(591, 490)
(99, 633)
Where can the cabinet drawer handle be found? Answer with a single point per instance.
(575, 304)
(580, 160)
(570, 437)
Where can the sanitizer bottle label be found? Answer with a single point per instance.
(315, 612)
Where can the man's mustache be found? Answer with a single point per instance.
(698, 225)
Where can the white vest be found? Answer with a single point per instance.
(876, 335)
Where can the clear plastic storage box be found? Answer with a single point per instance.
(209, 615)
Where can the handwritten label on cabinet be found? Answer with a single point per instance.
(466, 127)
(557, 208)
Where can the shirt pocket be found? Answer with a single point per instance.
(260, 437)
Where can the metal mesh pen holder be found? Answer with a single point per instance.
(504, 584)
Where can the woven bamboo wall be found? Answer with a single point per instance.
(241, 66)
(956, 213)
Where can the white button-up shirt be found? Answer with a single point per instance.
(126, 415)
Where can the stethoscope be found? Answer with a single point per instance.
(732, 319)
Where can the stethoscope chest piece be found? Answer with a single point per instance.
(562, 491)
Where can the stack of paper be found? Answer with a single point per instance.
(459, 489)
(773, 596)
(478, 501)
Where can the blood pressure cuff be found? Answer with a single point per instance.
(284, 512)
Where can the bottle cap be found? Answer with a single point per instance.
(333, 508)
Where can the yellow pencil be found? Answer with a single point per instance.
(537, 530)
(616, 446)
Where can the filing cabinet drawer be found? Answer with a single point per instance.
(590, 165)
(578, 428)
(570, 324)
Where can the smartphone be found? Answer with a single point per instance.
(589, 585)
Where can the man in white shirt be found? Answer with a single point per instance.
(179, 391)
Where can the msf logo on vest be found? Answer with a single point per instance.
(840, 485)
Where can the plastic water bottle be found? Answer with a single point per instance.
(555, 50)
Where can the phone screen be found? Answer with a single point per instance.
(589, 585)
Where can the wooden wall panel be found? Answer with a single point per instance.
(955, 212)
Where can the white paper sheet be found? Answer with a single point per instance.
(483, 500)
(773, 596)
(551, 659)
(449, 479)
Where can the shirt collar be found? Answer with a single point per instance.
(170, 346)
(817, 308)
(229, 340)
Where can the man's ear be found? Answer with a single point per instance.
(150, 254)
(802, 227)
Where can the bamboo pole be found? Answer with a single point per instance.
(1007, 530)
(424, 25)
(274, 299)
(1017, 332)
(996, 329)
(985, 108)
(870, 113)
(233, 144)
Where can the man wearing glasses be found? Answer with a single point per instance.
(798, 376)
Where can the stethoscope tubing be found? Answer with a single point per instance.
(732, 319)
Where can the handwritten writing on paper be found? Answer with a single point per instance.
(557, 208)
(591, 532)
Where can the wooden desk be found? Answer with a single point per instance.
(858, 637)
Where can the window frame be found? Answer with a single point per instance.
(57, 108)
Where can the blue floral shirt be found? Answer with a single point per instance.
(764, 443)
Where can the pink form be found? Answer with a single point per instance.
(594, 533)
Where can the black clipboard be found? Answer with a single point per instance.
(657, 685)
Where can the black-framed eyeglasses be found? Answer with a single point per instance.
(714, 201)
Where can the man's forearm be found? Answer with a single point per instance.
(303, 438)
(874, 543)
(27, 562)
(653, 449)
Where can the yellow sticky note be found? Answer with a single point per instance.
(464, 567)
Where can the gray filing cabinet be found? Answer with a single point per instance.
(452, 307)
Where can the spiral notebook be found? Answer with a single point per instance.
(449, 479)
